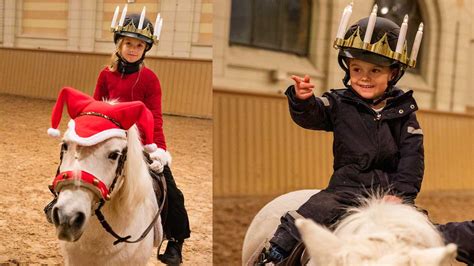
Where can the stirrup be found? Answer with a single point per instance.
(263, 258)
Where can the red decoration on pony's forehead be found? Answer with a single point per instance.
(95, 121)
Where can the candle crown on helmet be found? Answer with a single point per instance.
(130, 29)
(375, 40)
(381, 48)
(136, 26)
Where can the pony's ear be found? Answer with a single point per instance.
(438, 256)
(321, 243)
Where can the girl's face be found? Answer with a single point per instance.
(369, 80)
(132, 49)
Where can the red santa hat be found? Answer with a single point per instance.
(95, 121)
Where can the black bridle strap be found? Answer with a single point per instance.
(119, 170)
(120, 239)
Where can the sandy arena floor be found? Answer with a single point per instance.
(28, 161)
(232, 216)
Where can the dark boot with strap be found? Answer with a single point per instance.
(274, 254)
(279, 257)
(172, 255)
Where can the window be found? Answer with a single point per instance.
(395, 11)
(281, 25)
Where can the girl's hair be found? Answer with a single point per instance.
(114, 59)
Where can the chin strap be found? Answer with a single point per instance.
(390, 85)
(347, 77)
(123, 66)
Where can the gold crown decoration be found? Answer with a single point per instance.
(131, 27)
(381, 47)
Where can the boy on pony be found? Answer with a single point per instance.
(378, 142)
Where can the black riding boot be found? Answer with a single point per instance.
(176, 225)
(172, 255)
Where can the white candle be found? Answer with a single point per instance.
(114, 19)
(159, 29)
(157, 21)
(416, 43)
(402, 35)
(122, 18)
(142, 18)
(344, 21)
(371, 25)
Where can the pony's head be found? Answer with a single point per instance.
(93, 168)
(377, 233)
(102, 163)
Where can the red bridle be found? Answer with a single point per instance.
(85, 179)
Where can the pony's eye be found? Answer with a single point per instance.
(114, 155)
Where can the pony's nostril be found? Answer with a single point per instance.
(55, 216)
(78, 220)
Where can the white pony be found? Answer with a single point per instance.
(131, 208)
(376, 233)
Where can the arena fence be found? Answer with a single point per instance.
(259, 150)
(186, 83)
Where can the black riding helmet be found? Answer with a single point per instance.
(383, 27)
(130, 29)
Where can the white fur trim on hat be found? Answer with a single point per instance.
(163, 156)
(53, 132)
(94, 139)
(150, 147)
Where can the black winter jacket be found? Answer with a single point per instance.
(370, 149)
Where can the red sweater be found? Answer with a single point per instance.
(141, 86)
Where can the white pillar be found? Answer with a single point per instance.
(88, 26)
(9, 23)
(74, 25)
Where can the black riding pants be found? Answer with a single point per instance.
(325, 207)
(176, 224)
(461, 234)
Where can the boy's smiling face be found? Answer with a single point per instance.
(369, 80)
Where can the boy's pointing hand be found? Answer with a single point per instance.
(303, 87)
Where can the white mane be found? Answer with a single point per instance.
(401, 222)
(377, 233)
(136, 175)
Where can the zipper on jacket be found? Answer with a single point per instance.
(378, 116)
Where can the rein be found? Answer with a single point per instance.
(98, 187)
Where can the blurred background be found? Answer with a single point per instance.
(48, 44)
(54, 43)
(260, 153)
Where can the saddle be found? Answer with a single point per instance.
(159, 186)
